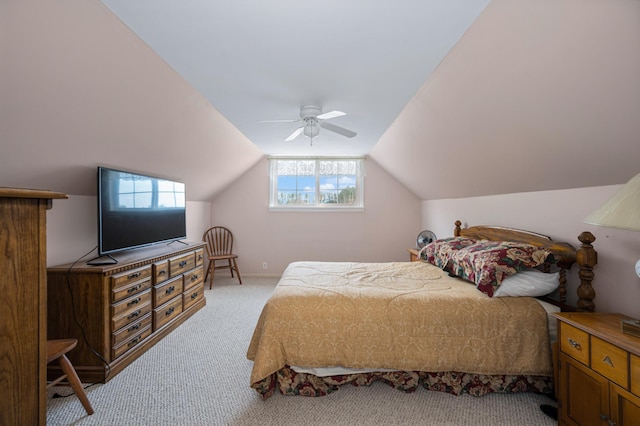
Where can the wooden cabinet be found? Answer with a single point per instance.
(413, 255)
(124, 309)
(598, 371)
(23, 294)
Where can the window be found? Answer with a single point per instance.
(316, 183)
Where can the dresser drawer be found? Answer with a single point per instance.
(130, 329)
(635, 374)
(199, 257)
(160, 271)
(128, 279)
(167, 312)
(122, 320)
(574, 342)
(610, 361)
(131, 343)
(166, 291)
(180, 264)
(128, 306)
(194, 277)
(192, 296)
(130, 289)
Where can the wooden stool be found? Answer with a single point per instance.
(56, 350)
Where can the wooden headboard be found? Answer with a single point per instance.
(586, 258)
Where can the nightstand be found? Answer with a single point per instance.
(413, 255)
(598, 371)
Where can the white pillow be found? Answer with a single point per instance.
(529, 283)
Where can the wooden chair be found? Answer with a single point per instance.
(220, 248)
(56, 350)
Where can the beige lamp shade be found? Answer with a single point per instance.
(622, 210)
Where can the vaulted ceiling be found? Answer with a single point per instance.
(454, 99)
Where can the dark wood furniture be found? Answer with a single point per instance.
(123, 310)
(23, 295)
(56, 351)
(219, 246)
(598, 371)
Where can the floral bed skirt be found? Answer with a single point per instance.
(291, 383)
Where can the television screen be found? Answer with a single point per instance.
(135, 210)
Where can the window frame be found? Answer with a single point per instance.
(317, 206)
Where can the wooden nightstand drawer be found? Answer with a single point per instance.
(610, 361)
(574, 342)
(167, 312)
(635, 374)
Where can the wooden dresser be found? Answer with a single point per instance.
(23, 295)
(598, 371)
(124, 309)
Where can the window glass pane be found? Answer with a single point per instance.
(316, 182)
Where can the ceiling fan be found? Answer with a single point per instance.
(312, 119)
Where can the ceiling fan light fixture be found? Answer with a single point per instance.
(311, 129)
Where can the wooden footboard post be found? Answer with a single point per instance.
(587, 258)
(456, 231)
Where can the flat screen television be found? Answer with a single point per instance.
(136, 210)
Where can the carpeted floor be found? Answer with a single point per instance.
(199, 375)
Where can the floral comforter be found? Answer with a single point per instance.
(405, 316)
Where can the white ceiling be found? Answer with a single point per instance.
(259, 60)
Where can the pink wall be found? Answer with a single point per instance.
(558, 214)
(382, 232)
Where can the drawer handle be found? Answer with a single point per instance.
(134, 275)
(162, 272)
(200, 257)
(170, 290)
(169, 311)
(606, 418)
(133, 327)
(194, 295)
(134, 301)
(134, 314)
(607, 361)
(134, 341)
(574, 344)
(194, 277)
(183, 263)
(134, 288)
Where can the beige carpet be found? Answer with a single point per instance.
(199, 375)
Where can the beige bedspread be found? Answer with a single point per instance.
(408, 316)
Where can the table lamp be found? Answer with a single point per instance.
(622, 211)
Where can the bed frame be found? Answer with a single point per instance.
(586, 257)
(292, 383)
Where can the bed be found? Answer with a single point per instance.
(440, 323)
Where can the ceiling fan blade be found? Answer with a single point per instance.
(341, 130)
(277, 121)
(295, 134)
(331, 114)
